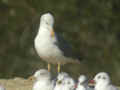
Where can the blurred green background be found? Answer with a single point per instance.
(91, 26)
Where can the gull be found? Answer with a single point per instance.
(1, 87)
(43, 80)
(50, 46)
(67, 83)
(102, 81)
(83, 83)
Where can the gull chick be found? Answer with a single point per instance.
(2, 88)
(102, 81)
(43, 80)
(82, 83)
(65, 84)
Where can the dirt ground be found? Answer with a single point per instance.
(16, 84)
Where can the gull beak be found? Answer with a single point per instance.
(92, 83)
(31, 78)
(52, 33)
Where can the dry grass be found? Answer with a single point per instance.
(16, 84)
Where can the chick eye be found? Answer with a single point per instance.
(42, 73)
(104, 78)
(68, 82)
(59, 82)
(99, 77)
(47, 23)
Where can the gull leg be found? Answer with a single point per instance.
(58, 67)
(49, 67)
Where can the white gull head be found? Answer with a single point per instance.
(47, 20)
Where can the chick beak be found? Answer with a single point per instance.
(92, 83)
(75, 86)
